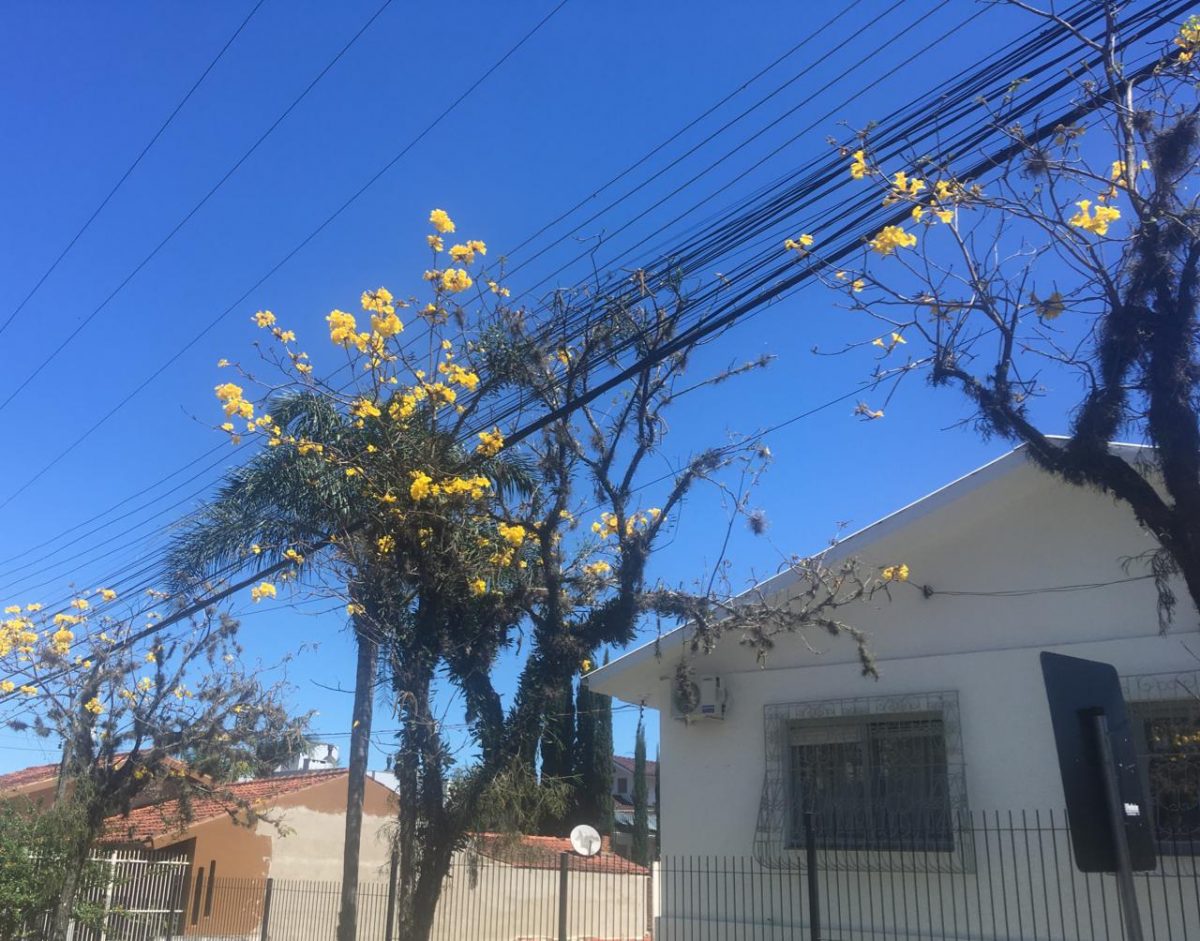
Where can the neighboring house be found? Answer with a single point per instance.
(299, 836)
(1004, 563)
(622, 786)
(319, 756)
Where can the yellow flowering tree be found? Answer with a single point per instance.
(135, 709)
(417, 492)
(1073, 263)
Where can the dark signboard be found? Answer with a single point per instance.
(1078, 691)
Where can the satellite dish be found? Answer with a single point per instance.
(585, 840)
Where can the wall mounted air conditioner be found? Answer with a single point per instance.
(702, 698)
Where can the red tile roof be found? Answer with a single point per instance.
(164, 819)
(33, 775)
(627, 764)
(544, 852)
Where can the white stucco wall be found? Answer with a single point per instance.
(1012, 528)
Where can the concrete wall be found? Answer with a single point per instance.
(1020, 530)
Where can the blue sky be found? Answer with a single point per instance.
(87, 85)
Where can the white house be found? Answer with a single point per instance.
(915, 774)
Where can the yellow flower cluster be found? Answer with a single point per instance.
(490, 443)
(610, 526)
(895, 573)
(423, 487)
(441, 221)
(343, 331)
(896, 340)
(107, 594)
(385, 544)
(513, 534)
(230, 395)
(1096, 222)
(264, 318)
(364, 408)
(477, 586)
(495, 288)
(380, 303)
(858, 165)
(456, 280)
(890, 238)
(294, 556)
(262, 590)
(1188, 39)
(61, 641)
(459, 375)
(94, 706)
(465, 254)
(597, 569)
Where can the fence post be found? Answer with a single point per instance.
(266, 918)
(810, 858)
(564, 867)
(393, 870)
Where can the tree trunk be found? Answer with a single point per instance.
(73, 870)
(360, 748)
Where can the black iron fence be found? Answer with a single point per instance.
(981, 877)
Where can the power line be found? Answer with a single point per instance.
(283, 261)
(133, 166)
(839, 168)
(195, 209)
(850, 394)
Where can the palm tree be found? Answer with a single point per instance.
(283, 499)
(292, 498)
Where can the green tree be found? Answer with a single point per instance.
(593, 757)
(35, 849)
(641, 816)
(1073, 264)
(130, 704)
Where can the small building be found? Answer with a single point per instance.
(222, 857)
(896, 776)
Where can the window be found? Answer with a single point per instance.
(882, 776)
(622, 785)
(871, 782)
(1166, 734)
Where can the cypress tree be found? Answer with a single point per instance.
(641, 817)
(593, 752)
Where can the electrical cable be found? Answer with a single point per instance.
(133, 166)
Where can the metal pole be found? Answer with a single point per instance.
(391, 896)
(1116, 820)
(564, 867)
(266, 919)
(810, 856)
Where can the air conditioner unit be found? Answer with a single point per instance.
(702, 698)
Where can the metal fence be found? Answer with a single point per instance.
(980, 877)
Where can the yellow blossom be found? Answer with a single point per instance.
(455, 280)
(435, 242)
(890, 238)
(29, 690)
(858, 166)
(385, 544)
(94, 706)
(441, 221)
(61, 641)
(353, 609)
(261, 591)
(421, 487)
(857, 285)
(513, 534)
(944, 215)
(33, 607)
(222, 363)
(293, 556)
(13, 609)
(1096, 223)
(597, 569)
(342, 327)
(379, 300)
(585, 665)
(495, 288)
(151, 656)
(264, 318)
(490, 443)
(364, 408)
(895, 573)
(7, 686)
(477, 586)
